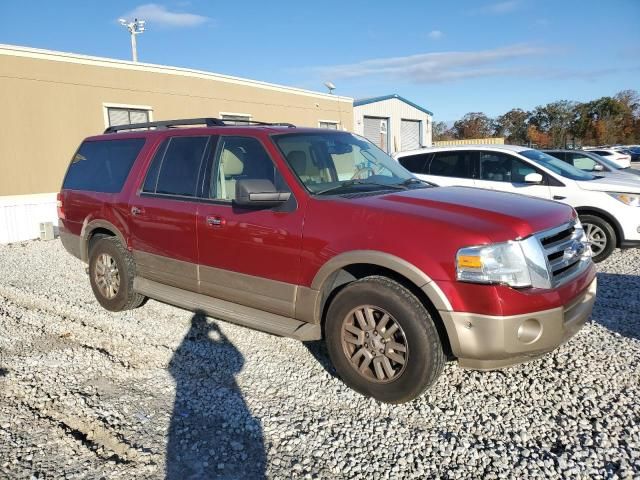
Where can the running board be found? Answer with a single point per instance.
(228, 311)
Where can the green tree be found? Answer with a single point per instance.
(513, 126)
(556, 119)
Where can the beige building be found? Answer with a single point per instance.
(393, 123)
(52, 100)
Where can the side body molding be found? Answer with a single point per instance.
(309, 302)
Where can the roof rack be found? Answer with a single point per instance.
(208, 121)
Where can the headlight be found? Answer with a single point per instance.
(496, 263)
(631, 199)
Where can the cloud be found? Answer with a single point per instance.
(435, 34)
(156, 14)
(438, 66)
(499, 8)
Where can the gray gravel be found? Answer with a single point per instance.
(157, 392)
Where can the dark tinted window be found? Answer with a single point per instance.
(560, 155)
(415, 163)
(180, 166)
(152, 173)
(500, 167)
(600, 152)
(452, 164)
(102, 166)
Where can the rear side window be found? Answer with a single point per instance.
(415, 163)
(176, 166)
(452, 164)
(103, 165)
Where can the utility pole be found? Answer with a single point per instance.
(135, 28)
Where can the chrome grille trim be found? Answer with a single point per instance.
(562, 268)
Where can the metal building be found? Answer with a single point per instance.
(52, 100)
(393, 123)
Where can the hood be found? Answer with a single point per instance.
(611, 184)
(621, 175)
(491, 215)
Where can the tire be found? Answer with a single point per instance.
(108, 251)
(601, 233)
(376, 297)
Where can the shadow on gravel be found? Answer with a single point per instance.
(212, 432)
(318, 349)
(3, 371)
(618, 304)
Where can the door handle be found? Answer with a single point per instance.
(215, 221)
(136, 211)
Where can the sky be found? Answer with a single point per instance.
(449, 57)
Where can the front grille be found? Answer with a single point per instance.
(562, 249)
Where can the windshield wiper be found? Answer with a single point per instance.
(357, 181)
(413, 181)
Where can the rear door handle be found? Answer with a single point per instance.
(136, 211)
(216, 221)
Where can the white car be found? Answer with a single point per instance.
(621, 159)
(609, 208)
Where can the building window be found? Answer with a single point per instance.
(126, 116)
(235, 118)
(328, 124)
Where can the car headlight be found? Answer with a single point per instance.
(495, 263)
(631, 199)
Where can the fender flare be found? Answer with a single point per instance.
(85, 233)
(388, 261)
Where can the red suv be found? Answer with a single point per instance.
(313, 233)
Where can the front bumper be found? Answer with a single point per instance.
(485, 342)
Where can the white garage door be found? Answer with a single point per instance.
(375, 129)
(410, 134)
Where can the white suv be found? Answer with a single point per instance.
(609, 208)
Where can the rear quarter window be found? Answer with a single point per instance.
(102, 165)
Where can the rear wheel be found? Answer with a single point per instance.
(111, 273)
(600, 234)
(382, 340)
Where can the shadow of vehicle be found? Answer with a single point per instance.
(212, 432)
(618, 304)
(318, 349)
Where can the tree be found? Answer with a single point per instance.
(602, 121)
(557, 120)
(473, 125)
(441, 132)
(513, 126)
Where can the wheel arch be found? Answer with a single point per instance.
(617, 228)
(95, 229)
(348, 267)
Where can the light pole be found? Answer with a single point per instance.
(135, 28)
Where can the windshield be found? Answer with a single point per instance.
(335, 162)
(556, 165)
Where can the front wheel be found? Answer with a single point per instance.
(382, 340)
(600, 235)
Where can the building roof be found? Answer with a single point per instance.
(52, 55)
(365, 101)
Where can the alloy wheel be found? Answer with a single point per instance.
(596, 237)
(374, 343)
(107, 276)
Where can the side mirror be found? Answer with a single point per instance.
(598, 168)
(259, 193)
(533, 178)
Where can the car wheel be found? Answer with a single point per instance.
(111, 273)
(382, 340)
(600, 234)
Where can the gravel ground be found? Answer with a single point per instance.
(159, 392)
